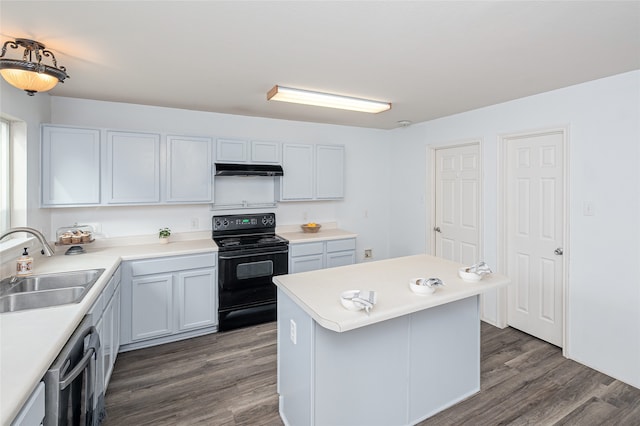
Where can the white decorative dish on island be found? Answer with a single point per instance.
(346, 300)
(424, 285)
(467, 275)
(356, 300)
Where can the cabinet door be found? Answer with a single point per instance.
(329, 171)
(189, 166)
(106, 341)
(265, 152)
(231, 151)
(151, 306)
(133, 168)
(197, 299)
(70, 166)
(32, 412)
(110, 335)
(306, 263)
(115, 341)
(297, 164)
(341, 258)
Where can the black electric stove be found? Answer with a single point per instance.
(249, 255)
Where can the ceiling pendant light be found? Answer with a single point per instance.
(27, 74)
(307, 97)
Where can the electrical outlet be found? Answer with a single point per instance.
(293, 332)
(195, 223)
(368, 253)
(305, 217)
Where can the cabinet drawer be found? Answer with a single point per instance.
(305, 249)
(341, 245)
(173, 263)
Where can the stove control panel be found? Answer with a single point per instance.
(244, 222)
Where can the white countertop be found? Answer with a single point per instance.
(30, 340)
(318, 292)
(327, 232)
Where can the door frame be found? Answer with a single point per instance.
(503, 140)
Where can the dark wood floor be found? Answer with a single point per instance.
(230, 379)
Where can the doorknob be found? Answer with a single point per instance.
(558, 251)
(437, 229)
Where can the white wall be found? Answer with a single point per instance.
(363, 211)
(603, 118)
(30, 111)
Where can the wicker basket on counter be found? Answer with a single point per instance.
(310, 228)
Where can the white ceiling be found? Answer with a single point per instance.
(429, 58)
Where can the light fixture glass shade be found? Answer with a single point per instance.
(29, 73)
(307, 97)
(29, 80)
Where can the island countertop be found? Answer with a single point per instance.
(318, 292)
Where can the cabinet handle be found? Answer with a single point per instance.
(437, 229)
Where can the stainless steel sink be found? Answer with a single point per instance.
(41, 291)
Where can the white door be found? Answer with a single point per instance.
(535, 234)
(457, 203)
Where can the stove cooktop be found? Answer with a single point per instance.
(249, 241)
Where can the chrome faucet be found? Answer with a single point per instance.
(46, 248)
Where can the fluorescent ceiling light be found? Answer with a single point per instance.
(306, 97)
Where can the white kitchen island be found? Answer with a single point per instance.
(411, 357)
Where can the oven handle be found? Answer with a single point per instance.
(238, 256)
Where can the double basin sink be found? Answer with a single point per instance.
(45, 290)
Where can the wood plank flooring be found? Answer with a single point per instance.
(230, 379)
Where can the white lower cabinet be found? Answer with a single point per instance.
(165, 299)
(305, 257)
(32, 412)
(151, 306)
(106, 318)
(196, 299)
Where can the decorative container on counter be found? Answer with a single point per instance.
(74, 236)
(310, 228)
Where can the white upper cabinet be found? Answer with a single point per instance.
(241, 151)
(70, 166)
(189, 170)
(231, 151)
(133, 168)
(329, 172)
(298, 171)
(84, 167)
(265, 152)
(312, 172)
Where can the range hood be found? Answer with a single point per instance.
(226, 169)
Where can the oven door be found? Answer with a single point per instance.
(239, 270)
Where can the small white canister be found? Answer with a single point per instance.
(25, 264)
